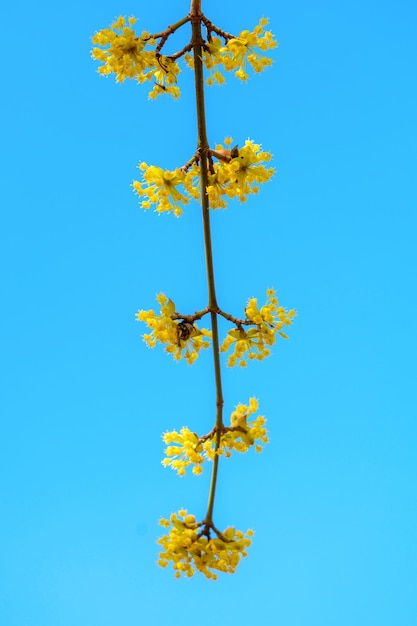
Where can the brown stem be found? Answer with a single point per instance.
(212, 28)
(199, 314)
(190, 318)
(170, 30)
(203, 150)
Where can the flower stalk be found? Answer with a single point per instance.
(203, 149)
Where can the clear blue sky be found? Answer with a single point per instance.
(84, 402)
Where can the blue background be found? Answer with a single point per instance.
(333, 497)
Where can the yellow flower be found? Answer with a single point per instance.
(186, 448)
(255, 343)
(243, 49)
(185, 451)
(166, 79)
(239, 177)
(160, 188)
(237, 53)
(182, 340)
(244, 431)
(192, 546)
(169, 190)
(125, 54)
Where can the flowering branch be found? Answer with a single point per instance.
(212, 176)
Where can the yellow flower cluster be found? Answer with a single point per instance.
(186, 448)
(238, 177)
(237, 53)
(243, 432)
(182, 339)
(190, 549)
(183, 449)
(126, 55)
(160, 188)
(255, 343)
(123, 53)
(165, 77)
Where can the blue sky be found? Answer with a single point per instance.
(332, 499)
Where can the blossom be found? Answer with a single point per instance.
(160, 188)
(192, 546)
(243, 431)
(186, 448)
(126, 55)
(166, 79)
(237, 53)
(236, 177)
(240, 176)
(182, 340)
(122, 52)
(269, 320)
(247, 48)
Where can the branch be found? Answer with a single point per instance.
(211, 28)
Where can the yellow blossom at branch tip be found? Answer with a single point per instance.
(239, 177)
(185, 448)
(161, 188)
(168, 191)
(183, 341)
(237, 54)
(266, 321)
(190, 546)
(125, 54)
